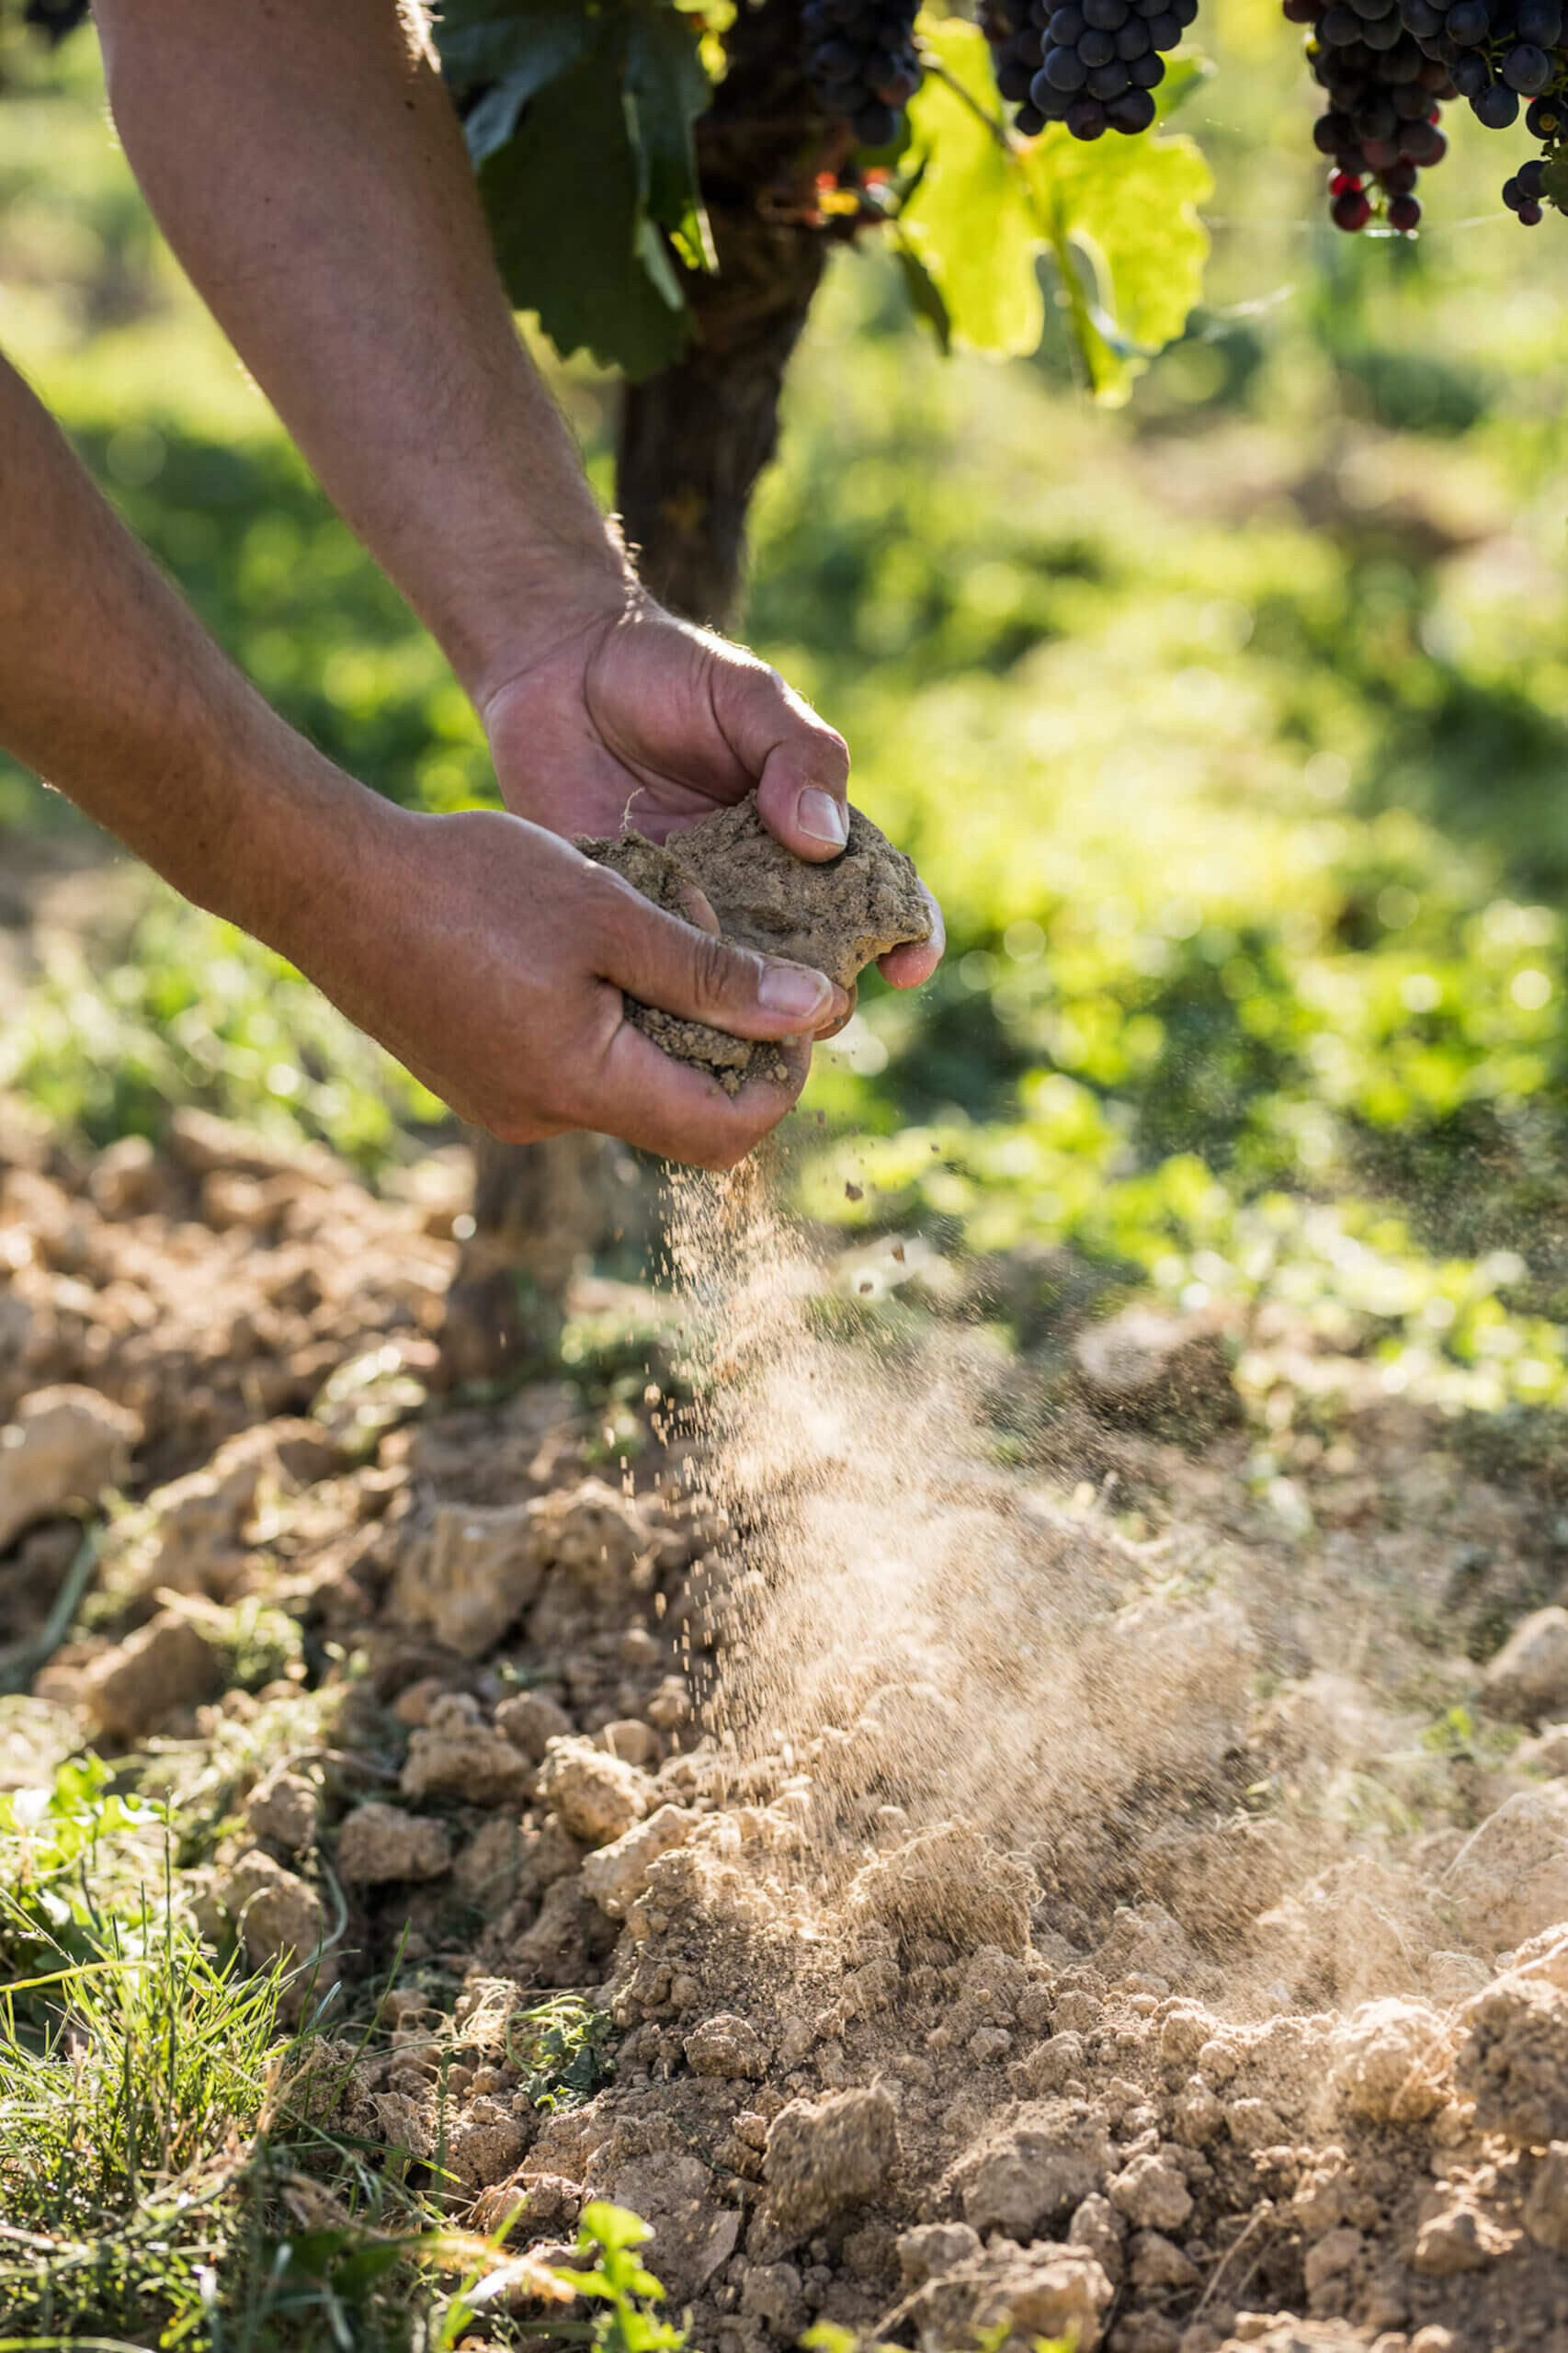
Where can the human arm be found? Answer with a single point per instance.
(308, 169)
(484, 952)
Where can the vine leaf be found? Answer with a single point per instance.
(969, 221)
(667, 87)
(1130, 213)
(565, 200)
(581, 130)
(1117, 215)
(516, 48)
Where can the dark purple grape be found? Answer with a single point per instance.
(1468, 23)
(1133, 42)
(1340, 26)
(1147, 73)
(1530, 214)
(1532, 179)
(1351, 210)
(1527, 69)
(1106, 15)
(1096, 48)
(1064, 70)
(1013, 79)
(1545, 118)
(1086, 118)
(1107, 82)
(1423, 144)
(1065, 25)
(1165, 31)
(1028, 122)
(1541, 21)
(1404, 214)
(1399, 179)
(1421, 18)
(1132, 112)
(1497, 107)
(1472, 74)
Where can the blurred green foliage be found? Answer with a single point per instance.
(1231, 731)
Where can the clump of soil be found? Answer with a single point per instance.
(837, 917)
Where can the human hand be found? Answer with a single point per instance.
(490, 957)
(634, 716)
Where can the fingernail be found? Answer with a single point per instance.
(792, 990)
(822, 815)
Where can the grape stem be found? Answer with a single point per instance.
(934, 65)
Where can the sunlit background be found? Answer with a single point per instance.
(1229, 727)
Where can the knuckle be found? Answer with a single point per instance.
(714, 970)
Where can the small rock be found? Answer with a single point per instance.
(950, 1883)
(1046, 2161)
(65, 1446)
(1253, 2124)
(1329, 2258)
(1509, 1880)
(485, 2141)
(616, 1875)
(379, 1843)
(931, 2248)
(1156, 2261)
(771, 2294)
(473, 1575)
(1389, 2062)
(823, 2158)
(630, 1738)
(598, 1797)
(1152, 2192)
(167, 1663)
(282, 1810)
(1546, 2206)
(530, 1721)
(1099, 2230)
(728, 2047)
(455, 1756)
(279, 1918)
(1458, 2239)
(1529, 1676)
(1513, 2061)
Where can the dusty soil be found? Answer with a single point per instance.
(1041, 1892)
(837, 917)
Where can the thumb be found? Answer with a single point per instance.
(662, 961)
(800, 764)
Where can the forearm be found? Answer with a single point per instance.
(111, 689)
(307, 169)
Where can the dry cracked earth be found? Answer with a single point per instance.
(1251, 2032)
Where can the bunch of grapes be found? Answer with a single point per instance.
(862, 63)
(54, 18)
(1502, 55)
(1093, 64)
(1379, 126)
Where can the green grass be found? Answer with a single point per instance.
(170, 2174)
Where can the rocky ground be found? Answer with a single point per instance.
(1111, 1909)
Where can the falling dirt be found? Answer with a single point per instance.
(836, 917)
(1032, 1892)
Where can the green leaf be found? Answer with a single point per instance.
(494, 40)
(613, 2226)
(1130, 209)
(1117, 215)
(667, 88)
(565, 197)
(971, 221)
